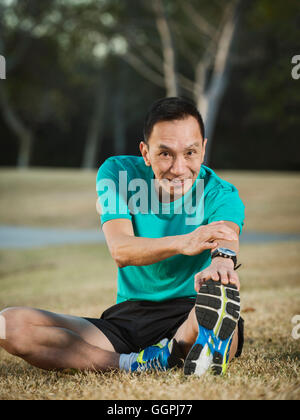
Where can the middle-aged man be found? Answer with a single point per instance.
(172, 226)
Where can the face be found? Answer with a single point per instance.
(175, 151)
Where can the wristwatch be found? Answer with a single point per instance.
(226, 253)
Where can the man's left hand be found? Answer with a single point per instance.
(220, 269)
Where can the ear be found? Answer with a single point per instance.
(203, 149)
(145, 152)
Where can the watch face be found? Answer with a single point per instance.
(227, 252)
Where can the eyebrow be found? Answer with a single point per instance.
(164, 146)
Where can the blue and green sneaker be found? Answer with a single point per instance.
(161, 356)
(217, 311)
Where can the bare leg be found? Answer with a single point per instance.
(53, 341)
(187, 333)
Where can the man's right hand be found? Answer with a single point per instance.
(128, 249)
(206, 237)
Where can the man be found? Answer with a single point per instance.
(168, 250)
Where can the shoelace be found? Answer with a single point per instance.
(151, 364)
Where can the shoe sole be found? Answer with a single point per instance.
(217, 309)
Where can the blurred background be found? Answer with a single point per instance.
(81, 74)
(80, 77)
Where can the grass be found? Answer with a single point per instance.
(48, 197)
(67, 198)
(81, 280)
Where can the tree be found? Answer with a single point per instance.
(168, 49)
(212, 70)
(9, 113)
(211, 45)
(24, 103)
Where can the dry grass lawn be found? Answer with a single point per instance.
(67, 198)
(81, 280)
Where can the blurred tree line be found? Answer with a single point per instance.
(81, 75)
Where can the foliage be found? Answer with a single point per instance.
(62, 54)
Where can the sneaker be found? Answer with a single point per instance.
(217, 311)
(162, 356)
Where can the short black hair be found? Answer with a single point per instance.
(170, 109)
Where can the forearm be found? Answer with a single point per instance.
(128, 249)
(233, 245)
(144, 251)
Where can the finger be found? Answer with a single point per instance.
(198, 283)
(228, 233)
(234, 279)
(215, 276)
(219, 222)
(198, 279)
(213, 249)
(211, 274)
(222, 232)
(223, 276)
(202, 277)
(210, 245)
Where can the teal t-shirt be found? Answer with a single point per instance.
(125, 186)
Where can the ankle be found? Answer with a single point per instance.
(126, 361)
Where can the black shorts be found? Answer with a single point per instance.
(134, 325)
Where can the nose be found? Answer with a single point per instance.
(178, 166)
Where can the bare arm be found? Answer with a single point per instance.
(221, 268)
(127, 249)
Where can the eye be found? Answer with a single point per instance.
(164, 154)
(191, 152)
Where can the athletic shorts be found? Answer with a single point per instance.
(132, 326)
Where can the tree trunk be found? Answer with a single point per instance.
(167, 49)
(209, 99)
(119, 129)
(93, 139)
(24, 135)
(212, 103)
(24, 155)
(2, 67)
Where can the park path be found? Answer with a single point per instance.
(17, 237)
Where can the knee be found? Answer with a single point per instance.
(14, 329)
(14, 315)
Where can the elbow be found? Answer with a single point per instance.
(120, 263)
(118, 257)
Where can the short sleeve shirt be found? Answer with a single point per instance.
(125, 187)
